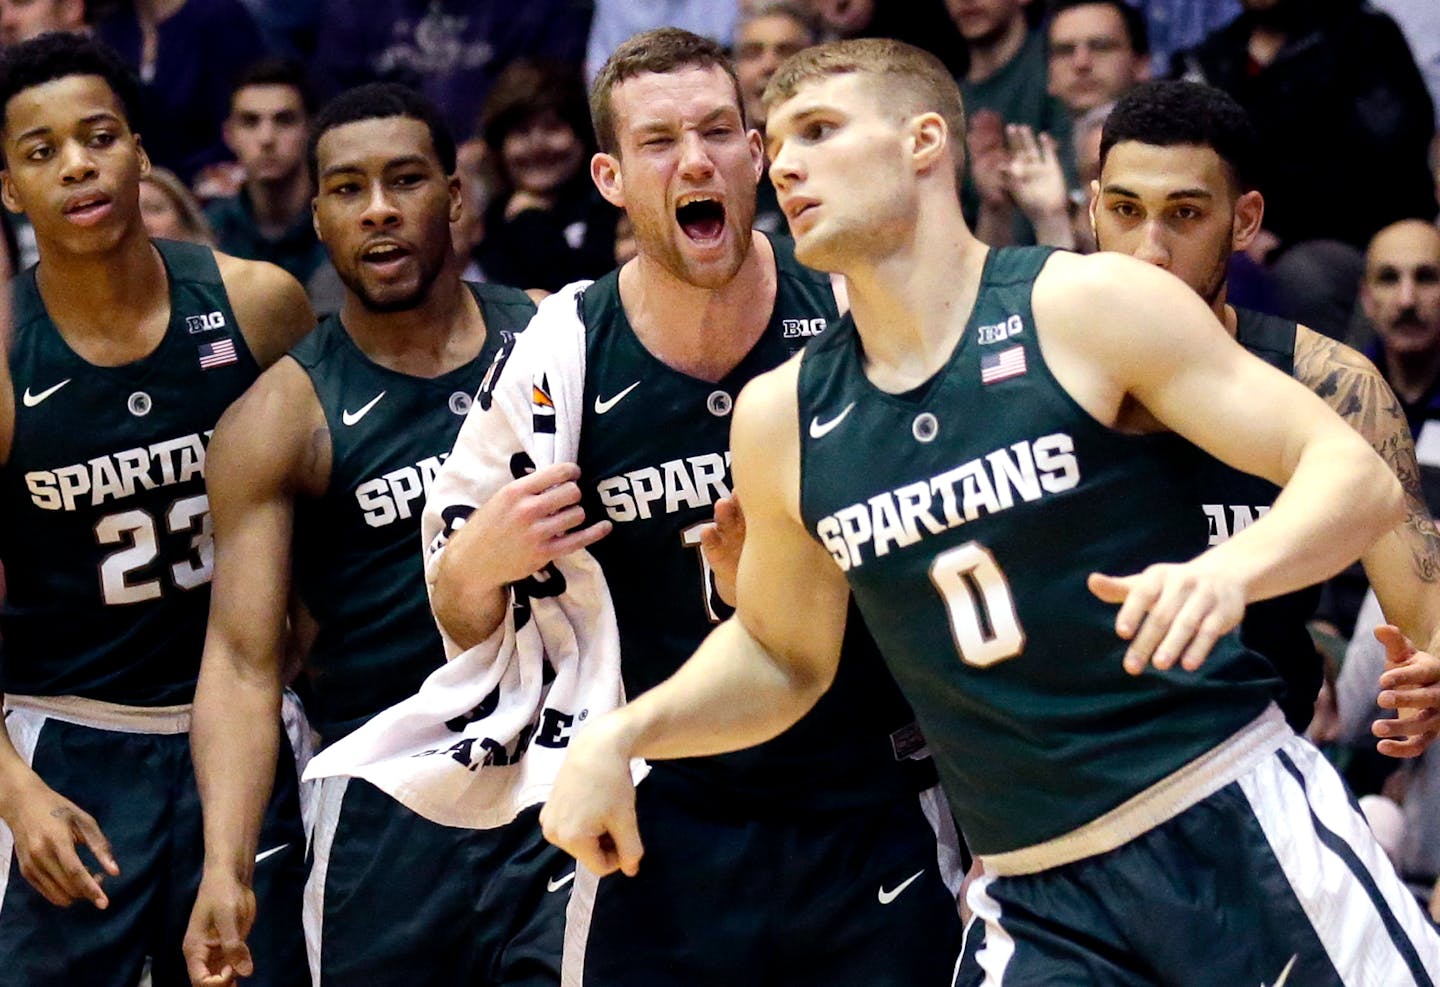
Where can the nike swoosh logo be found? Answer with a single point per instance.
(31, 400)
(554, 885)
(603, 406)
(351, 417)
(1285, 973)
(819, 429)
(888, 896)
(270, 852)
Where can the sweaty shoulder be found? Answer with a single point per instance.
(269, 304)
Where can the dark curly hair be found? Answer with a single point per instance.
(377, 101)
(59, 55)
(1174, 112)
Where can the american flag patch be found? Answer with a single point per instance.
(218, 353)
(1003, 365)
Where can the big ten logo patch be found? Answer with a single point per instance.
(801, 328)
(204, 323)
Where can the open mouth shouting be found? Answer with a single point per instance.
(702, 217)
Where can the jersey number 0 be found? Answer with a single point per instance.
(981, 607)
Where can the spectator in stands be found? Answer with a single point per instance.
(21, 20)
(1007, 83)
(1337, 99)
(1401, 297)
(617, 20)
(269, 218)
(169, 211)
(548, 226)
(1098, 49)
(1174, 25)
(450, 50)
(767, 34)
(1419, 21)
(923, 23)
(187, 54)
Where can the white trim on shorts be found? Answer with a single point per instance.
(1162, 801)
(106, 716)
(1312, 828)
(328, 799)
(578, 914)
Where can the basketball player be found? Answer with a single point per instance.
(808, 860)
(125, 352)
(318, 477)
(990, 469)
(1177, 190)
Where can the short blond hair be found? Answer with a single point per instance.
(921, 77)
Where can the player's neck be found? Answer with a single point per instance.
(912, 304)
(1224, 311)
(106, 296)
(702, 332)
(443, 332)
(277, 206)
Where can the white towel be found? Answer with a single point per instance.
(485, 735)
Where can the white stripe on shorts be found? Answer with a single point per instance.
(327, 817)
(578, 914)
(1345, 916)
(999, 949)
(24, 727)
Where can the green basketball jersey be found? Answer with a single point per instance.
(655, 457)
(106, 542)
(966, 514)
(358, 564)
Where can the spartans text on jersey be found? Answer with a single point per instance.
(984, 485)
(117, 475)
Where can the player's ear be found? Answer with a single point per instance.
(929, 140)
(457, 204)
(1249, 216)
(605, 173)
(144, 158)
(1093, 206)
(757, 151)
(7, 192)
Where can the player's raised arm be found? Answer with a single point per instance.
(265, 450)
(1184, 373)
(754, 676)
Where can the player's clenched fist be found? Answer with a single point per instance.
(591, 810)
(214, 946)
(1171, 612)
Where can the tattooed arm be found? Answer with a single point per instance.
(1404, 565)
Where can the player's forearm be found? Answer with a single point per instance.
(1340, 498)
(730, 695)
(1409, 600)
(234, 740)
(467, 609)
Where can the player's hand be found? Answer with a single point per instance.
(590, 813)
(1411, 685)
(721, 542)
(1171, 612)
(47, 828)
(529, 523)
(214, 944)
